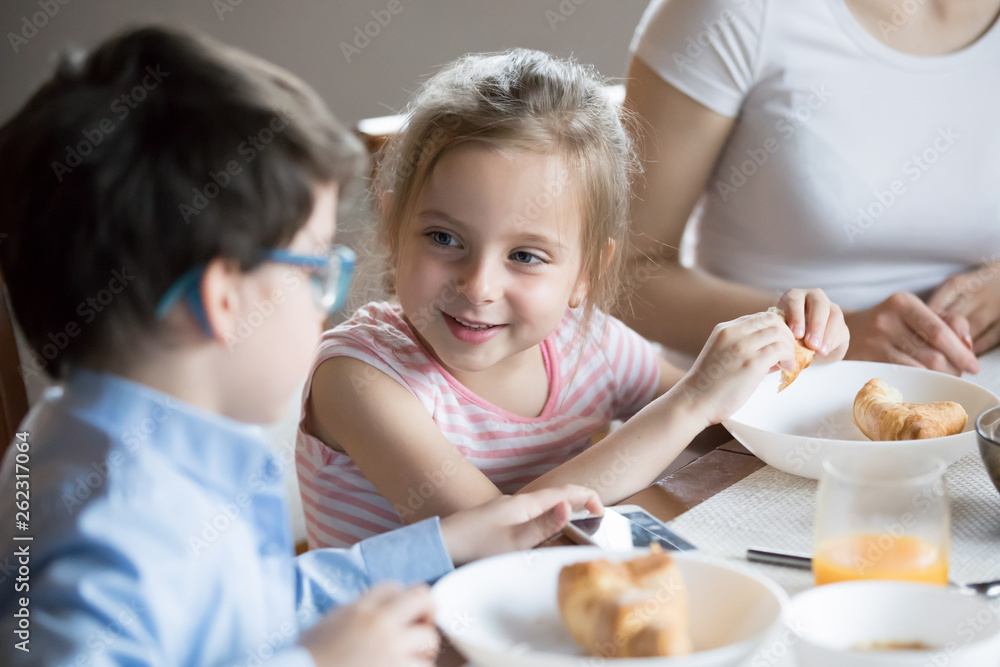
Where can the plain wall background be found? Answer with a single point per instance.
(304, 36)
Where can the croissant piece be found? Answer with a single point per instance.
(881, 414)
(803, 356)
(628, 609)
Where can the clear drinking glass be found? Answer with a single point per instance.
(882, 517)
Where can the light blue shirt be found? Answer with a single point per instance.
(161, 537)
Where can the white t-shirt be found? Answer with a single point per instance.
(852, 166)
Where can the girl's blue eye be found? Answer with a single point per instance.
(442, 238)
(525, 257)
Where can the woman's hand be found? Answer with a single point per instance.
(387, 626)
(512, 523)
(974, 296)
(818, 321)
(904, 330)
(735, 359)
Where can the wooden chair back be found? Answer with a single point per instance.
(13, 395)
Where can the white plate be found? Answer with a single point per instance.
(812, 418)
(963, 630)
(502, 611)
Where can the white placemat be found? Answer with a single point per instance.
(773, 510)
(989, 372)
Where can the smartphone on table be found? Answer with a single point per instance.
(625, 527)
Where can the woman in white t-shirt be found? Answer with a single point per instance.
(850, 145)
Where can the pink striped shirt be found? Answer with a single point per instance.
(609, 374)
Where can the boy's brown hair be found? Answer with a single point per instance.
(153, 154)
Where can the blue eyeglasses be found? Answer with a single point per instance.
(329, 275)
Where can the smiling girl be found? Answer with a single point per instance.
(503, 210)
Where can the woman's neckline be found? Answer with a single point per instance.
(874, 47)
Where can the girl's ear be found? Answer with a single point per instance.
(220, 296)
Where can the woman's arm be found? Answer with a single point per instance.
(679, 141)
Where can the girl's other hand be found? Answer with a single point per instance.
(512, 523)
(388, 626)
(735, 359)
(818, 321)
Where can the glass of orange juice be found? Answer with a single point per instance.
(882, 517)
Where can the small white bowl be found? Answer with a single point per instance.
(829, 621)
(502, 611)
(813, 418)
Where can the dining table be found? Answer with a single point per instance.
(714, 463)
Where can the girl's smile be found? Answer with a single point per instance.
(471, 331)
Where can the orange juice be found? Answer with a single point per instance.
(880, 557)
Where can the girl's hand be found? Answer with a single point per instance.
(975, 298)
(904, 330)
(818, 321)
(735, 359)
(388, 626)
(512, 523)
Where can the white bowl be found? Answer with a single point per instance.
(829, 620)
(813, 418)
(502, 611)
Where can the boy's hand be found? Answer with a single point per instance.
(818, 321)
(388, 626)
(512, 523)
(735, 359)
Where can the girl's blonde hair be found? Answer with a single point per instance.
(520, 100)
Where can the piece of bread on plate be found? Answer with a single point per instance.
(626, 609)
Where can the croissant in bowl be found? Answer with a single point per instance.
(626, 609)
(881, 414)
